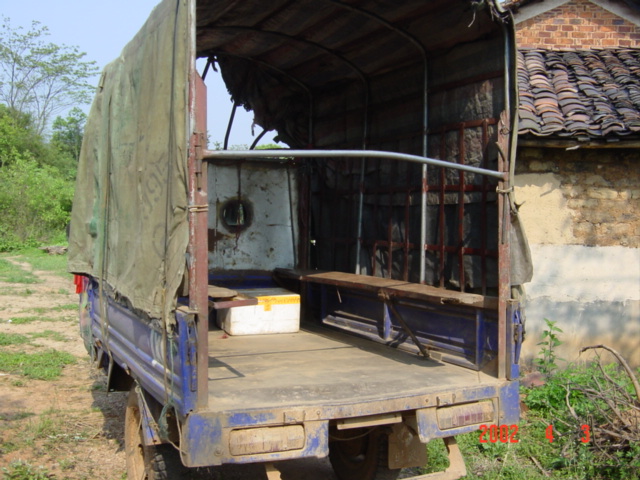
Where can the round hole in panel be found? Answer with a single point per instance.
(236, 215)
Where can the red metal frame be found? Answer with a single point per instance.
(412, 187)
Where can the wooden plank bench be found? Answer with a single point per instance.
(390, 287)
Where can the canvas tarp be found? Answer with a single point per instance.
(129, 225)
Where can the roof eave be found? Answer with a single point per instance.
(575, 143)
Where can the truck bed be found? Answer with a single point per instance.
(319, 367)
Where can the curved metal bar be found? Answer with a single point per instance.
(229, 125)
(213, 155)
(324, 49)
(258, 138)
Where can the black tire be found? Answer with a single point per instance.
(155, 462)
(359, 454)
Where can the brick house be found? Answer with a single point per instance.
(578, 170)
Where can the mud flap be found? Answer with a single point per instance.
(405, 448)
(457, 468)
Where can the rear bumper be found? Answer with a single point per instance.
(216, 438)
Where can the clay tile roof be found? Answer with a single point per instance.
(577, 93)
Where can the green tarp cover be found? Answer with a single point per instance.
(129, 224)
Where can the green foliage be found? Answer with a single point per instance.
(67, 134)
(37, 80)
(587, 397)
(269, 146)
(591, 416)
(547, 360)
(18, 139)
(36, 201)
(40, 366)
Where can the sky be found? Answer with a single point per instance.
(101, 29)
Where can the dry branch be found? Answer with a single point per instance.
(622, 362)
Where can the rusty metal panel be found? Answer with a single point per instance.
(266, 236)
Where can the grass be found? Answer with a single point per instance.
(40, 260)
(7, 339)
(487, 460)
(9, 417)
(31, 319)
(50, 334)
(14, 274)
(58, 308)
(38, 366)
(11, 291)
(20, 470)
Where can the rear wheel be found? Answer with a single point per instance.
(361, 454)
(147, 462)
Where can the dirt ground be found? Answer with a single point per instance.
(70, 427)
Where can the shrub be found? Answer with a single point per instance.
(35, 201)
(594, 418)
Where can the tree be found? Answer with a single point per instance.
(39, 78)
(67, 133)
(19, 140)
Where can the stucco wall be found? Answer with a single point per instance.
(580, 211)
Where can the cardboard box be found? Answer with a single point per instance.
(277, 311)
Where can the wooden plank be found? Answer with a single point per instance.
(294, 273)
(328, 368)
(442, 296)
(394, 288)
(351, 280)
(213, 291)
(234, 302)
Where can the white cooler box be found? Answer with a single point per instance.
(277, 311)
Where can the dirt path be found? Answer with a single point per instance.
(70, 428)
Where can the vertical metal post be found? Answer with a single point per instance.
(461, 185)
(198, 229)
(425, 179)
(506, 137)
(363, 164)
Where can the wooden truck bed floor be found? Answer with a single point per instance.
(318, 368)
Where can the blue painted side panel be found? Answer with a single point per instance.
(138, 348)
(469, 335)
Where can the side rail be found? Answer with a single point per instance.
(213, 155)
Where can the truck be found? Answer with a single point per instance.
(355, 295)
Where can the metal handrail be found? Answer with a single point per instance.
(212, 155)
